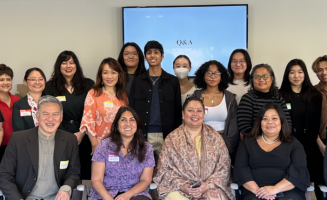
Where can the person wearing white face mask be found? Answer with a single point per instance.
(182, 67)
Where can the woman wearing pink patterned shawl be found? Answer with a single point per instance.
(191, 153)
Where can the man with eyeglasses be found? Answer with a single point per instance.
(156, 97)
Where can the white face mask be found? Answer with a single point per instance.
(181, 72)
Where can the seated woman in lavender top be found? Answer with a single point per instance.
(123, 162)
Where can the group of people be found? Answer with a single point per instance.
(133, 126)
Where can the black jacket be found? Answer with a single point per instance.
(19, 165)
(21, 123)
(169, 98)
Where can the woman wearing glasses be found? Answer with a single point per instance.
(263, 90)
(24, 111)
(239, 67)
(131, 59)
(220, 105)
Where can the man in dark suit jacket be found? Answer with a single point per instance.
(42, 162)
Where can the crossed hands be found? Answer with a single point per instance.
(195, 192)
(266, 192)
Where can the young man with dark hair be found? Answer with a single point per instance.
(156, 97)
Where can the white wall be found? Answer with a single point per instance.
(33, 33)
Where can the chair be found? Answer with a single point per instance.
(81, 188)
(323, 188)
(1, 196)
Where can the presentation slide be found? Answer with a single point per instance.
(202, 33)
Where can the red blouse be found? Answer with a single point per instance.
(7, 115)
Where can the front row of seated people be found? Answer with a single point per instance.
(43, 162)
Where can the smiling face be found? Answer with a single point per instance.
(49, 118)
(261, 84)
(238, 64)
(127, 125)
(35, 82)
(296, 76)
(271, 124)
(109, 76)
(193, 114)
(322, 71)
(68, 68)
(5, 83)
(154, 57)
(131, 57)
(212, 81)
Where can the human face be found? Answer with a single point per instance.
(154, 57)
(193, 114)
(131, 57)
(212, 81)
(5, 83)
(296, 76)
(127, 125)
(182, 63)
(35, 82)
(271, 124)
(49, 118)
(238, 64)
(109, 76)
(261, 84)
(68, 68)
(322, 71)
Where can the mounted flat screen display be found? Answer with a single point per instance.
(202, 33)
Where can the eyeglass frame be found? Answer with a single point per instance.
(36, 80)
(131, 53)
(217, 74)
(258, 77)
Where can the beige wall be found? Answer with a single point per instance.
(33, 33)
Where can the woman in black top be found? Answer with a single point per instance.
(69, 85)
(24, 110)
(1, 129)
(270, 161)
(131, 60)
(304, 103)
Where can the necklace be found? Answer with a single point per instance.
(269, 142)
(154, 81)
(210, 97)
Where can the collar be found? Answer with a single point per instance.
(321, 88)
(44, 138)
(164, 75)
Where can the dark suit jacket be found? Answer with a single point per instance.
(19, 165)
(21, 123)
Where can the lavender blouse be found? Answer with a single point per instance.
(121, 174)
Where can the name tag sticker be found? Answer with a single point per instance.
(24, 113)
(288, 105)
(64, 164)
(206, 111)
(61, 98)
(108, 104)
(113, 158)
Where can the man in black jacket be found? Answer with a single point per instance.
(156, 97)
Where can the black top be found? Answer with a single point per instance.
(129, 83)
(169, 96)
(287, 161)
(73, 106)
(1, 117)
(21, 123)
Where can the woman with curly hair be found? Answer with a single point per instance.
(220, 105)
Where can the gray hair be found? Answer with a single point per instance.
(49, 99)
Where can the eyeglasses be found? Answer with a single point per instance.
(235, 62)
(133, 54)
(35, 80)
(264, 76)
(209, 74)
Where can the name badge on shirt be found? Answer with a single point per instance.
(288, 105)
(206, 111)
(24, 113)
(64, 164)
(61, 98)
(108, 104)
(113, 158)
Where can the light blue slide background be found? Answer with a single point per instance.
(214, 31)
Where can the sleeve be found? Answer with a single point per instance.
(89, 114)
(73, 172)
(282, 104)
(100, 154)
(166, 178)
(66, 188)
(317, 115)
(1, 117)
(242, 172)
(325, 166)
(149, 157)
(17, 121)
(48, 90)
(298, 173)
(178, 104)
(8, 171)
(244, 113)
